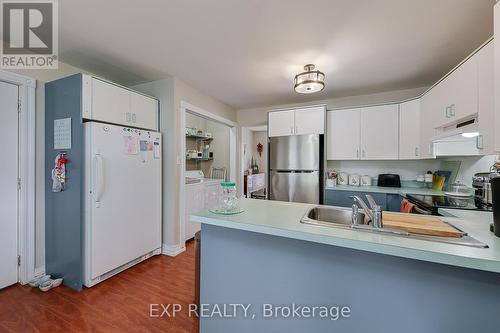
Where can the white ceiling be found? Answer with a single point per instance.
(246, 52)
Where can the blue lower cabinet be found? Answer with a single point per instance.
(394, 202)
(343, 198)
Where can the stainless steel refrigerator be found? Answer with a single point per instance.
(296, 168)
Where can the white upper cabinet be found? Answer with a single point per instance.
(454, 98)
(297, 121)
(343, 134)
(379, 132)
(409, 130)
(281, 123)
(310, 121)
(107, 102)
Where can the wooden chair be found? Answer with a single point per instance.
(218, 173)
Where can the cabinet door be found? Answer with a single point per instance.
(428, 124)
(341, 198)
(194, 202)
(379, 132)
(310, 121)
(409, 130)
(461, 94)
(281, 123)
(486, 92)
(342, 134)
(143, 111)
(110, 103)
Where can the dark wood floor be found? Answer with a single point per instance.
(119, 304)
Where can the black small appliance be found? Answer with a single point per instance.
(388, 180)
(495, 191)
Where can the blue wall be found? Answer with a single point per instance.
(385, 293)
(64, 210)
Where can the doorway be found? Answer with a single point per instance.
(9, 189)
(254, 160)
(214, 152)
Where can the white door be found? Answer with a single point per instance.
(486, 99)
(123, 196)
(144, 111)
(110, 103)
(281, 123)
(409, 130)
(194, 202)
(310, 121)
(8, 181)
(342, 134)
(379, 132)
(462, 90)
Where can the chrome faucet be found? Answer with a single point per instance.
(374, 212)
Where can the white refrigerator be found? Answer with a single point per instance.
(122, 199)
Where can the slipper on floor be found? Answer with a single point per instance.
(35, 283)
(49, 284)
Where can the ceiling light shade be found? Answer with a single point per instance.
(310, 81)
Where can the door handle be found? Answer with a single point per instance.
(99, 179)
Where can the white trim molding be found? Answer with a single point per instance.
(26, 241)
(172, 250)
(39, 271)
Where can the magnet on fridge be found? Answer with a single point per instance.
(143, 145)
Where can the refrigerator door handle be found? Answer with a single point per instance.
(99, 183)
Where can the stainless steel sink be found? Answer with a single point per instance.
(338, 217)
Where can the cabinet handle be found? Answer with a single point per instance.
(357, 153)
(447, 113)
(364, 153)
(296, 129)
(452, 110)
(416, 151)
(291, 129)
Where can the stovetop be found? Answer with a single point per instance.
(433, 202)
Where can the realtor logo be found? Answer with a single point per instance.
(29, 34)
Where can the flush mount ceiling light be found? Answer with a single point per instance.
(310, 81)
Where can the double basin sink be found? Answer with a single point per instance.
(337, 217)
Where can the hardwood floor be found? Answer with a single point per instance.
(119, 304)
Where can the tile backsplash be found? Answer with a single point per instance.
(408, 170)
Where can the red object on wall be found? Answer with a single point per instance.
(260, 148)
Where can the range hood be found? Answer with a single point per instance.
(460, 139)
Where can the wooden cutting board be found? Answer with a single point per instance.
(417, 224)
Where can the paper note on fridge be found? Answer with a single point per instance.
(131, 145)
(156, 150)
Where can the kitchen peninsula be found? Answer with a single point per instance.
(266, 256)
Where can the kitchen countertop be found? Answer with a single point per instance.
(283, 219)
(388, 190)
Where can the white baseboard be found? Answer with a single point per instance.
(39, 271)
(172, 250)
